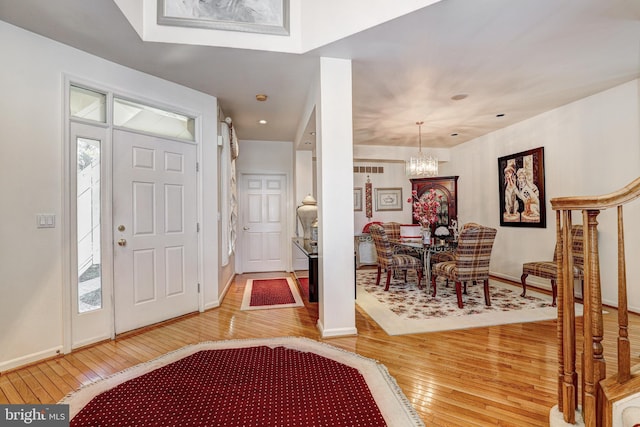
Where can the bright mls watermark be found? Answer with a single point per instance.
(34, 415)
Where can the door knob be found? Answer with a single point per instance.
(121, 227)
(245, 228)
(122, 242)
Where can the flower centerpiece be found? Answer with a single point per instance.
(425, 210)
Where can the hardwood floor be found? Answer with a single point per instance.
(495, 376)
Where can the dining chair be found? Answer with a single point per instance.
(549, 269)
(389, 260)
(470, 261)
(449, 255)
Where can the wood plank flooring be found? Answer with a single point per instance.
(495, 376)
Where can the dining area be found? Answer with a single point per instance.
(462, 259)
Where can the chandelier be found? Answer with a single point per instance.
(421, 165)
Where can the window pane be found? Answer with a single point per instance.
(87, 104)
(88, 214)
(141, 117)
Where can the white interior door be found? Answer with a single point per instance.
(263, 213)
(155, 229)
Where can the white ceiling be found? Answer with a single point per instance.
(517, 58)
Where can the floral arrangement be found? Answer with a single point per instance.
(425, 209)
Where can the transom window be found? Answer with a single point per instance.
(133, 115)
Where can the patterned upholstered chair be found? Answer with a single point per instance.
(393, 234)
(470, 263)
(392, 229)
(448, 255)
(390, 261)
(549, 269)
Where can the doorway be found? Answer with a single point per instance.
(263, 221)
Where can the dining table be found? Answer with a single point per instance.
(423, 251)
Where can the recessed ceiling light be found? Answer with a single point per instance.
(312, 133)
(261, 97)
(262, 122)
(459, 96)
(500, 115)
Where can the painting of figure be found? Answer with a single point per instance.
(521, 178)
(263, 16)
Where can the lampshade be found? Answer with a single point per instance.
(421, 165)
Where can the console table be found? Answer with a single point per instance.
(312, 254)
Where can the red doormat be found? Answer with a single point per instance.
(270, 293)
(304, 286)
(266, 382)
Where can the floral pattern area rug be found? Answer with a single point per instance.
(405, 309)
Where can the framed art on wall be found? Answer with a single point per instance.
(389, 199)
(521, 186)
(265, 16)
(357, 199)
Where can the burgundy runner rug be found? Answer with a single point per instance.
(304, 286)
(270, 293)
(267, 382)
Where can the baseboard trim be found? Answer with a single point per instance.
(211, 305)
(23, 361)
(218, 302)
(336, 332)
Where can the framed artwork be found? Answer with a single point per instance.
(521, 185)
(254, 16)
(389, 199)
(357, 199)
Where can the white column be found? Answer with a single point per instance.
(334, 152)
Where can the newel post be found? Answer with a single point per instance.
(594, 365)
(568, 396)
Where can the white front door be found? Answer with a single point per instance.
(263, 219)
(155, 229)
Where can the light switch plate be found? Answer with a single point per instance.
(46, 220)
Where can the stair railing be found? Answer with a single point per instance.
(593, 363)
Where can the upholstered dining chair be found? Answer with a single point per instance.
(448, 255)
(549, 269)
(390, 261)
(392, 229)
(470, 263)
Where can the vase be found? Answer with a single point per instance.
(307, 214)
(426, 236)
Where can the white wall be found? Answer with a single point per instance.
(393, 177)
(31, 176)
(592, 147)
(312, 24)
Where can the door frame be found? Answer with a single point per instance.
(68, 211)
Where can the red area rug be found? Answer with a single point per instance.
(304, 287)
(266, 382)
(270, 293)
